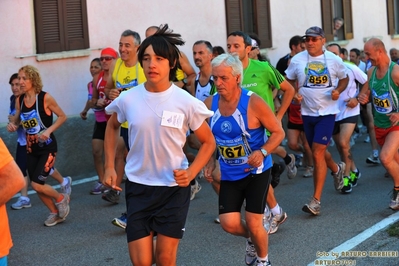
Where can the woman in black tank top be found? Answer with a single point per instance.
(34, 111)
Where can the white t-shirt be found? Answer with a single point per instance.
(351, 91)
(317, 78)
(157, 149)
(362, 66)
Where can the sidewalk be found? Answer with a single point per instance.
(373, 246)
(381, 241)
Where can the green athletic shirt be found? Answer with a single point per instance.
(384, 100)
(261, 78)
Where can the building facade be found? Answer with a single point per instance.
(61, 37)
(66, 72)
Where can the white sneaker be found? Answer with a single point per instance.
(373, 160)
(53, 219)
(394, 204)
(339, 176)
(21, 203)
(291, 168)
(263, 263)
(201, 174)
(250, 253)
(277, 220)
(313, 207)
(267, 220)
(67, 189)
(195, 189)
(308, 171)
(63, 207)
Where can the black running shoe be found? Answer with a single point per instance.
(277, 170)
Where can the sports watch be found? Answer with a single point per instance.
(264, 152)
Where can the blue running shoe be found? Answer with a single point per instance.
(121, 221)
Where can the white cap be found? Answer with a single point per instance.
(254, 43)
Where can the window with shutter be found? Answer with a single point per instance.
(347, 15)
(333, 10)
(393, 17)
(61, 25)
(251, 16)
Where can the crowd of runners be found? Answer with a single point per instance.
(162, 126)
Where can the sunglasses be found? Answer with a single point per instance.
(106, 58)
(312, 39)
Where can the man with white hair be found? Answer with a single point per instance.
(239, 125)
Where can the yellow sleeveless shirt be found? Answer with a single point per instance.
(126, 78)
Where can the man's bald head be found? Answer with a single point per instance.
(375, 51)
(377, 44)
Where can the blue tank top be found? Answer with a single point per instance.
(235, 141)
(21, 133)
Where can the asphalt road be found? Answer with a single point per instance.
(87, 237)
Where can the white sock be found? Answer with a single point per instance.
(276, 210)
(24, 198)
(267, 211)
(64, 182)
(264, 259)
(339, 168)
(375, 153)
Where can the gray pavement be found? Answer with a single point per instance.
(87, 237)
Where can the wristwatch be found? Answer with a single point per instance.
(184, 81)
(264, 152)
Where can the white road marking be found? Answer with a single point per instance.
(76, 182)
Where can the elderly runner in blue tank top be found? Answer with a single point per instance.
(321, 77)
(383, 83)
(239, 124)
